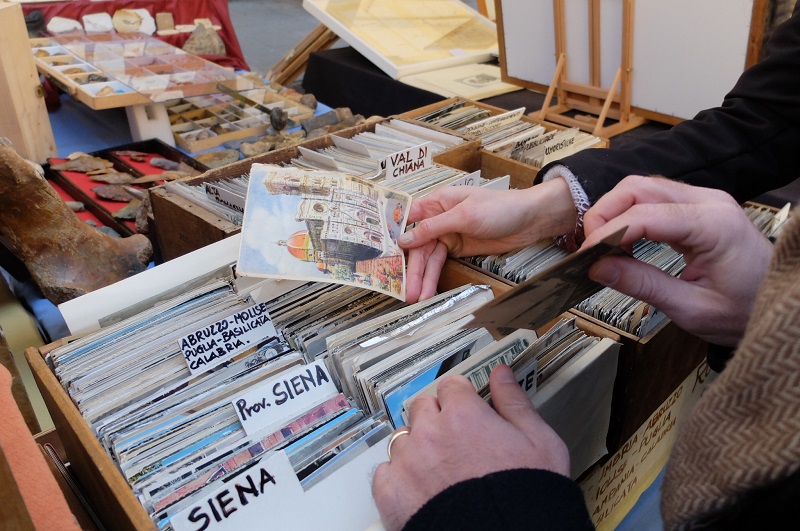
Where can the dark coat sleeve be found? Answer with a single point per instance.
(509, 500)
(749, 145)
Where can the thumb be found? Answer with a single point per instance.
(644, 282)
(511, 402)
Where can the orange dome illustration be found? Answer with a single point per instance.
(299, 245)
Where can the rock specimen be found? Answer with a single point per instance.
(204, 41)
(65, 256)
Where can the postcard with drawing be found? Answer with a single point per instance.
(323, 226)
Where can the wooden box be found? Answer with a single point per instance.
(106, 71)
(23, 115)
(106, 489)
(649, 368)
(223, 119)
(184, 226)
(493, 165)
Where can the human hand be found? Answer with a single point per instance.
(458, 436)
(726, 256)
(469, 221)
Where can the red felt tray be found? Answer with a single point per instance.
(85, 215)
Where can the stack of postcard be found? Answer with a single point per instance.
(508, 135)
(203, 387)
(398, 154)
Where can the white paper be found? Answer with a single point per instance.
(84, 313)
(273, 403)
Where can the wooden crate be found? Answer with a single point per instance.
(649, 367)
(493, 165)
(23, 114)
(106, 489)
(184, 226)
(136, 71)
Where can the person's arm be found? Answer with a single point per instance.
(461, 458)
(747, 146)
(726, 256)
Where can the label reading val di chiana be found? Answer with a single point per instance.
(218, 342)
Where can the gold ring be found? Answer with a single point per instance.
(404, 430)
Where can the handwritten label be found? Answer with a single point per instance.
(470, 179)
(404, 162)
(493, 122)
(225, 197)
(244, 501)
(526, 145)
(218, 342)
(561, 146)
(284, 397)
(612, 490)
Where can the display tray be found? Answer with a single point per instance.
(205, 122)
(492, 164)
(192, 227)
(77, 185)
(107, 70)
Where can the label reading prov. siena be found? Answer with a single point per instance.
(286, 396)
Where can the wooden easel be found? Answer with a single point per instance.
(613, 102)
(295, 61)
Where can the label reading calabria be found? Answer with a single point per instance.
(284, 397)
(218, 342)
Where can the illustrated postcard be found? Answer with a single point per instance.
(323, 226)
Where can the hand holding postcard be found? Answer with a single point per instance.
(323, 226)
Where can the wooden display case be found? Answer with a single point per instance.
(106, 71)
(205, 122)
(493, 165)
(192, 227)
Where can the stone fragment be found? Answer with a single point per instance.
(65, 256)
(204, 41)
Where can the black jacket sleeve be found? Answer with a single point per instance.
(509, 500)
(749, 145)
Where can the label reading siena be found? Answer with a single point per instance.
(218, 342)
(245, 501)
(284, 397)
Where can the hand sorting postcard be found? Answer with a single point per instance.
(323, 226)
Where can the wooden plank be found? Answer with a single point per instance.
(111, 497)
(23, 114)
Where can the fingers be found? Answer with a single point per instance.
(422, 409)
(683, 226)
(457, 391)
(635, 190)
(645, 282)
(511, 402)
